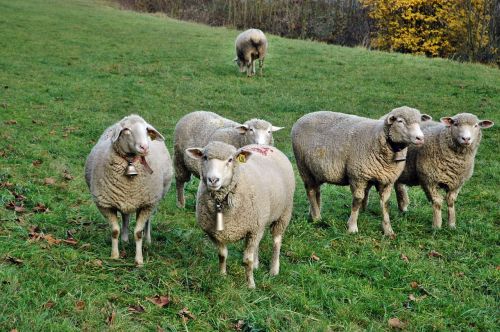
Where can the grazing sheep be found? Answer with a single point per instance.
(350, 150)
(445, 161)
(250, 46)
(241, 192)
(127, 147)
(199, 128)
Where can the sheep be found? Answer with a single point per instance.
(250, 46)
(345, 149)
(240, 193)
(445, 161)
(127, 147)
(199, 128)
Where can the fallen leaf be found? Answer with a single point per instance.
(13, 330)
(160, 301)
(6, 184)
(498, 267)
(434, 253)
(314, 257)
(37, 162)
(240, 324)
(85, 246)
(136, 308)
(404, 258)
(159, 329)
(51, 240)
(52, 132)
(98, 263)
(395, 323)
(414, 284)
(71, 241)
(111, 318)
(411, 297)
(67, 176)
(10, 122)
(123, 253)
(40, 208)
(460, 274)
(79, 305)
(49, 304)
(13, 206)
(185, 314)
(18, 197)
(49, 181)
(14, 260)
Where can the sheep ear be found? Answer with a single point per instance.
(242, 129)
(391, 119)
(195, 153)
(154, 134)
(486, 124)
(242, 156)
(273, 128)
(115, 132)
(425, 117)
(447, 121)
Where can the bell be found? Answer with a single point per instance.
(130, 170)
(219, 223)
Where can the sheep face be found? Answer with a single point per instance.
(218, 163)
(258, 131)
(133, 135)
(404, 125)
(466, 128)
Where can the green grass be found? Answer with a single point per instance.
(69, 69)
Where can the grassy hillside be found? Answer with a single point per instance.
(69, 69)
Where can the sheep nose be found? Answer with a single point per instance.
(213, 180)
(144, 147)
(466, 139)
(419, 139)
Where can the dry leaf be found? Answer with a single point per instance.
(136, 308)
(404, 258)
(186, 315)
(111, 318)
(49, 181)
(71, 241)
(160, 301)
(14, 260)
(395, 323)
(13, 330)
(498, 267)
(159, 329)
(40, 208)
(15, 207)
(6, 184)
(19, 197)
(67, 176)
(79, 305)
(49, 304)
(123, 253)
(314, 257)
(414, 284)
(10, 122)
(411, 297)
(240, 324)
(434, 253)
(51, 240)
(37, 162)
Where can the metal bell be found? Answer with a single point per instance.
(130, 170)
(219, 223)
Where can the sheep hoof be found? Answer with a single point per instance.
(452, 226)
(139, 264)
(251, 285)
(352, 229)
(180, 205)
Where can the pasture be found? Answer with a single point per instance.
(69, 69)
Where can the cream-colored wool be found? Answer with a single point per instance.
(443, 162)
(259, 193)
(114, 192)
(196, 129)
(350, 150)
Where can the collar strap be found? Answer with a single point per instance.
(130, 158)
(396, 147)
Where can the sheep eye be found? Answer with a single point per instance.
(268, 131)
(400, 121)
(205, 158)
(230, 160)
(475, 126)
(455, 124)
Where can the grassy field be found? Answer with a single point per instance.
(69, 69)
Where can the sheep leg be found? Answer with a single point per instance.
(111, 215)
(141, 220)
(385, 193)
(182, 175)
(451, 196)
(435, 197)
(314, 196)
(261, 66)
(125, 221)
(256, 258)
(358, 193)
(222, 257)
(148, 231)
(364, 203)
(402, 196)
(277, 230)
(248, 257)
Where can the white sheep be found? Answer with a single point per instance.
(350, 150)
(250, 46)
(199, 128)
(240, 193)
(127, 147)
(445, 161)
